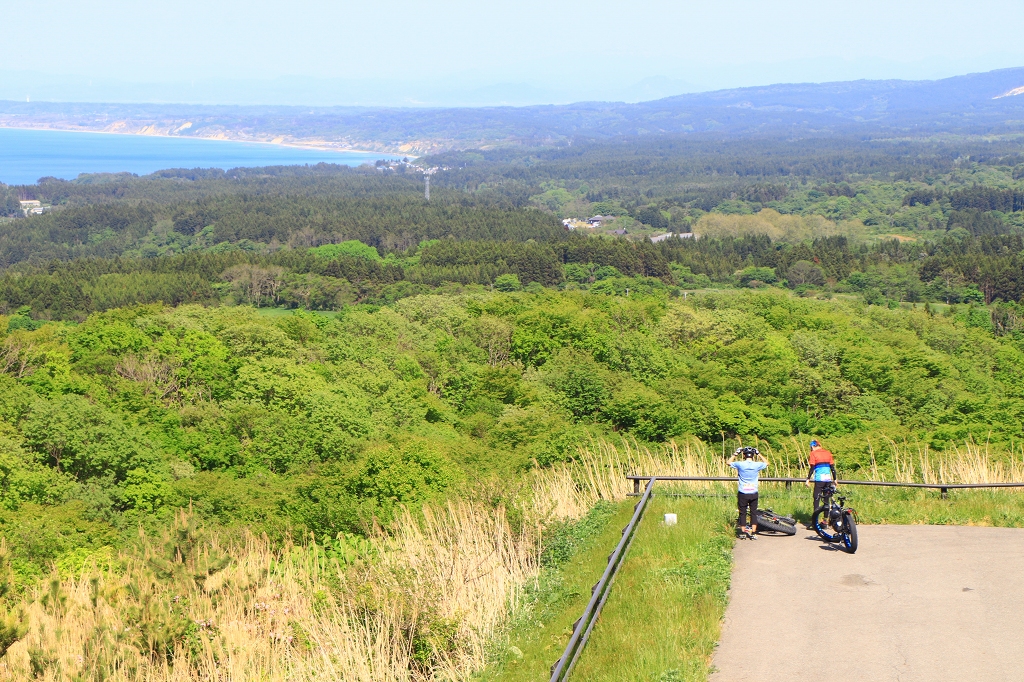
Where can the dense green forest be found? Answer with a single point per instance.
(326, 422)
(958, 269)
(911, 221)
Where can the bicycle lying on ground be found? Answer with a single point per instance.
(834, 521)
(769, 521)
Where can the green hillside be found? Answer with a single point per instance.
(327, 422)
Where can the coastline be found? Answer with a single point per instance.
(5, 125)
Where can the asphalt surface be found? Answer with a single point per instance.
(914, 603)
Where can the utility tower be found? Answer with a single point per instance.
(427, 172)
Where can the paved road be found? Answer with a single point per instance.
(915, 603)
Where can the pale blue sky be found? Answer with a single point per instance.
(477, 52)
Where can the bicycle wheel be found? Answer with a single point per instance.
(774, 524)
(819, 522)
(849, 532)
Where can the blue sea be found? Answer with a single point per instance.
(27, 155)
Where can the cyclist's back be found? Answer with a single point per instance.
(822, 470)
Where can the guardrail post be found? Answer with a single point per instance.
(789, 485)
(945, 492)
(636, 486)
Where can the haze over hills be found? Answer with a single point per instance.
(981, 103)
(311, 91)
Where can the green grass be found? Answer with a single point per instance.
(662, 620)
(575, 558)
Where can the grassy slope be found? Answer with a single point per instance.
(662, 619)
(542, 629)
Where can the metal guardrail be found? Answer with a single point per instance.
(599, 593)
(582, 628)
(944, 488)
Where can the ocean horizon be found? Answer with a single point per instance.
(26, 155)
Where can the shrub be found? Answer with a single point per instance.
(508, 282)
(353, 248)
(805, 272)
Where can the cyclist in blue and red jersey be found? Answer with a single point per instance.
(822, 471)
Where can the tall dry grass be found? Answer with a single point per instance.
(600, 471)
(970, 462)
(569, 490)
(419, 603)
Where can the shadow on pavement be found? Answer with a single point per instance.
(828, 546)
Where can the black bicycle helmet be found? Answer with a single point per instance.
(747, 452)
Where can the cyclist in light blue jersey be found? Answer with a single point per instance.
(746, 497)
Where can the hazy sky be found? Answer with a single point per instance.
(453, 51)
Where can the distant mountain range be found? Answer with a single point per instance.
(981, 103)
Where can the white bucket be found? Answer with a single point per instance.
(670, 519)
